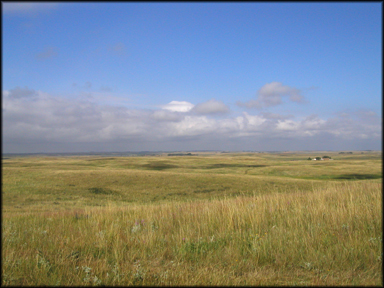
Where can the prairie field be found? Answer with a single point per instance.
(228, 219)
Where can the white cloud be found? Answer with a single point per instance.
(164, 115)
(254, 121)
(192, 126)
(313, 122)
(211, 107)
(245, 125)
(178, 106)
(287, 125)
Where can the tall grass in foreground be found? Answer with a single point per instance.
(331, 236)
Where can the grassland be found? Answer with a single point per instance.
(206, 219)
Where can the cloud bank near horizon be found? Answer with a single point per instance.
(36, 120)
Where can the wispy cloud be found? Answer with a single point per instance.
(105, 88)
(47, 53)
(271, 94)
(88, 85)
(20, 92)
(27, 7)
(118, 48)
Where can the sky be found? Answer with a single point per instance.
(187, 76)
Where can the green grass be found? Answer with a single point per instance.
(222, 219)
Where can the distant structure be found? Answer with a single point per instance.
(320, 158)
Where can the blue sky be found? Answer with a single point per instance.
(123, 76)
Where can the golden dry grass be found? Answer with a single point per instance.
(262, 230)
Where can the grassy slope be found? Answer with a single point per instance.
(270, 220)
